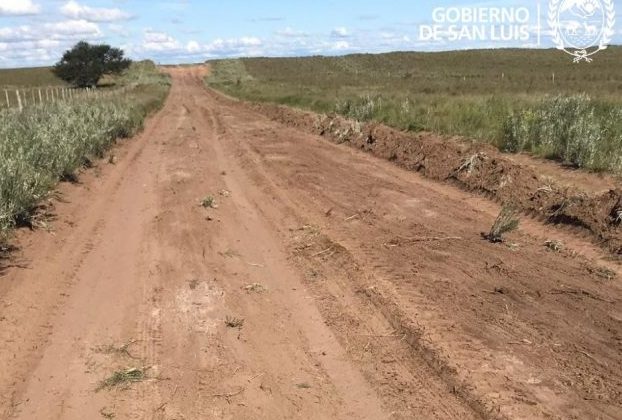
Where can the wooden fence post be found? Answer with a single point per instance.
(40, 97)
(19, 100)
(8, 103)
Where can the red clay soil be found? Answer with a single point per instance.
(565, 197)
(365, 290)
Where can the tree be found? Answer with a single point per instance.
(85, 64)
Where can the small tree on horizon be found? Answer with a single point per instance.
(85, 64)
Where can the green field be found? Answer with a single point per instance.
(533, 100)
(29, 77)
(51, 141)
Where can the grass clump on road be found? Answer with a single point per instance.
(506, 222)
(49, 142)
(208, 202)
(233, 322)
(123, 377)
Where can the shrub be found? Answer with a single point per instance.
(573, 129)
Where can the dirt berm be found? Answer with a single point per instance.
(475, 167)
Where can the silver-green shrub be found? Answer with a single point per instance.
(573, 129)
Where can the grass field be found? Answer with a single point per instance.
(51, 141)
(29, 77)
(532, 100)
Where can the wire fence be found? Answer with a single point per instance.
(27, 97)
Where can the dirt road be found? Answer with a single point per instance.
(324, 284)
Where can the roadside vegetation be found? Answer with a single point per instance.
(519, 100)
(48, 142)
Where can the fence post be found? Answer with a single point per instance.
(47, 94)
(40, 97)
(8, 103)
(19, 100)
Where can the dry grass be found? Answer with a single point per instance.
(208, 202)
(123, 377)
(30, 77)
(255, 288)
(233, 322)
(123, 350)
(506, 222)
(554, 245)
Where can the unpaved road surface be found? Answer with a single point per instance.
(365, 291)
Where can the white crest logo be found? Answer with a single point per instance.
(581, 28)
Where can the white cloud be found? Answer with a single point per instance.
(73, 29)
(193, 47)
(155, 44)
(66, 30)
(159, 41)
(43, 44)
(289, 32)
(233, 47)
(163, 46)
(18, 7)
(341, 45)
(75, 10)
(119, 30)
(340, 32)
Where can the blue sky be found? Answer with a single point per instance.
(36, 32)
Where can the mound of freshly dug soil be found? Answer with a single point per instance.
(473, 166)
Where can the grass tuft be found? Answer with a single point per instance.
(208, 202)
(233, 322)
(123, 377)
(554, 245)
(506, 222)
